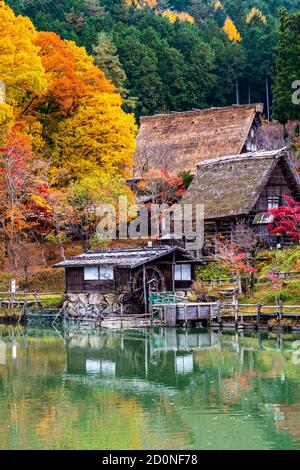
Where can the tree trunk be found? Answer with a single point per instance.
(267, 98)
(237, 91)
(62, 251)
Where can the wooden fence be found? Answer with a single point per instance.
(19, 299)
(239, 311)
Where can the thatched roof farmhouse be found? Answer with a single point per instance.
(178, 141)
(243, 186)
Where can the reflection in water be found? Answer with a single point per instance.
(142, 389)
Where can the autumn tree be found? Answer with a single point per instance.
(100, 136)
(162, 187)
(21, 68)
(231, 30)
(86, 197)
(286, 219)
(18, 182)
(234, 258)
(53, 213)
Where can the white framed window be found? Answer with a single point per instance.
(96, 273)
(91, 273)
(183, 272)
(106, 272)
(273, 202)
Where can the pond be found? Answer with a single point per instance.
(148, 389)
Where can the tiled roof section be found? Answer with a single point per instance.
(127, 258)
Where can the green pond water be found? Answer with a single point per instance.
(139, 389)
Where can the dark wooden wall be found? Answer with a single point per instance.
(75, 283)
(74, 280)
(277, 186)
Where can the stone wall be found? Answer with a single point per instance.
(100, 306)
(92, 306)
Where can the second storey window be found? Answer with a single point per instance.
(273, 202)
(183, 272)
(96, 273)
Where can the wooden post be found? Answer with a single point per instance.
(152, 313)
(173, 271)
(219, 311)
(236, 308)
(280, 309)
(36, 300)
(258, 312)
(145, 289)
(185, 315)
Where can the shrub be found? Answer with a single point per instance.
(193, 297)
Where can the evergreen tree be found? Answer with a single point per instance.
(287, 67)
(107, 59)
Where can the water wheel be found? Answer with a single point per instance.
(154, 280)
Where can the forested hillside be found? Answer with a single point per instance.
(177, 54)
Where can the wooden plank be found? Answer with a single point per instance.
(170, 316)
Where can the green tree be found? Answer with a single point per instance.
(107, 59)
(287, 67)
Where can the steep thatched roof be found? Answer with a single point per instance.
(178, 141)
(231, 186)
(123, 258)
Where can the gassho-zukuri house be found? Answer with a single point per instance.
(180, 140)
(109, 281)
(243, 187)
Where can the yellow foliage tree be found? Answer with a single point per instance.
(100, 138)
(218, 5)
(173, 16)
(141, 3)
(20, 65)
(231, 30)
(256, 13)
(6, 118)
(183, 16)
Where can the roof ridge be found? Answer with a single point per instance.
(258, 107)
(260, 154)
(122, 250)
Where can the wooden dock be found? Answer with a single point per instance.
(183, 313)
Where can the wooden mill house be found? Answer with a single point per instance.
(130, 275)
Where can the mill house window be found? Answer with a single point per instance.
(98, 273)
(183, 272)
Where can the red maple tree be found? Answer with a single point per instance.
(286, 219)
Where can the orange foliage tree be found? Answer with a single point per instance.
(60, 116)
(20, 176)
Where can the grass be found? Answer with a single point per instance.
(45, 280)
(10, 312)
(266, 292)
(287, 292)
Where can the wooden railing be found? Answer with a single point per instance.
(239, 311)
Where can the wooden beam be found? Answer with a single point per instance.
(145, 288)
